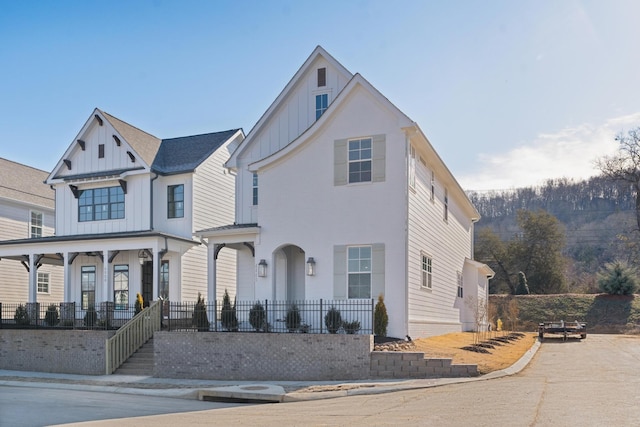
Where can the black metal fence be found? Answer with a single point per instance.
(65, 315)
(353, 316)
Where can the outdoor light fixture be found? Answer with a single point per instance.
(311, 266)
(142, 256)
(262, 268)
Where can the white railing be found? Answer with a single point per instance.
(132, 336)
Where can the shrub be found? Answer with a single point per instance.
(258, 317)
(523, 286)
(380, 318)
(139, 303)
(618, 278)
(228, 316)
(91, 317)
(21, 316)
(293, 318)
(52, 317)
(200, 319)
(351, 327)
(333, 320)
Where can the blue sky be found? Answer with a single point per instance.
(508, 92)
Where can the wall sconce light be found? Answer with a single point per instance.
(262, 268)
(311, 266)
(142, 256)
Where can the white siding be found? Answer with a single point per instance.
(161, 222)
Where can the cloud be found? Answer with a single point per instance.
(569, 153)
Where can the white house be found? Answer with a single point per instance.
(26, 212)
(126, 206)
(340, 196)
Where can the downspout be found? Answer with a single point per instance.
(151, 207)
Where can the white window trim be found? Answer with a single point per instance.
(445, 201)
(349, 140)
(412, 167)
(460, 282)
(429, 274)
(315, 97)
(48, 282)
(433, 187)
(31, 226)
(370, 272)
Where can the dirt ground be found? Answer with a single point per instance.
(499, 357)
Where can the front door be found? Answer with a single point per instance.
(147, 282)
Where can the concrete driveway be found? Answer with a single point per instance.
(595, 382)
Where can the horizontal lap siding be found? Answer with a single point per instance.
(447, 242)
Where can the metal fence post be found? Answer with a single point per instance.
(320, 315)
(373, 316)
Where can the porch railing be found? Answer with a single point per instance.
(132, 336)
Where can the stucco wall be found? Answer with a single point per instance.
(259, 356)
(66, 352)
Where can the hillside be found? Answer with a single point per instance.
(598, 216)
(603, 313)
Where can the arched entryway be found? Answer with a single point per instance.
(289, 273)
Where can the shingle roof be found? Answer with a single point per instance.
(184, 154)
(24, 183)
(145, 144)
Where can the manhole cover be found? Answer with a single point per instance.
(254, 387)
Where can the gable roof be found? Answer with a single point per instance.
(317, 52)
(145, 144)
(184, 154)
(25, 184)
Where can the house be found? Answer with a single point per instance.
(126, 206)
(26, 212)
(340, 196)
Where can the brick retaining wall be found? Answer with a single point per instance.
(260, 356)
(390, 364)
(65, 352)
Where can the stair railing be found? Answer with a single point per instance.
(132, 335)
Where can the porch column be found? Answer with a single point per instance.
(66, 262)
(33, 278)
(106, 285)
(156, 273)
(211, 272)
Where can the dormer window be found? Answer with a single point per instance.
(322, 77)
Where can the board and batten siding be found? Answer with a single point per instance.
(436, 310)
(137, 209)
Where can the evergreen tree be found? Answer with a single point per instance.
(380, 318)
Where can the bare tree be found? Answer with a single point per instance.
(478, 307)
(625, 165)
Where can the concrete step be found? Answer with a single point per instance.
(140, 363)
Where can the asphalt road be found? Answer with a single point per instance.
(595, 382)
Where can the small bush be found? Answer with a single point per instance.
(52, 317)
(21, 316)
(618, 278)
(380, 318)
(351, 327)
(91, 317)
(258, 317)
(333, 320)
(228, 316)
(293, 318)
(200, 319)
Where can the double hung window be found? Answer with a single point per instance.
(359, 271)
(360, 160)
(175, 201)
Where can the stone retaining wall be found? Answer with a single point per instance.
(389, 364)
(62, 351)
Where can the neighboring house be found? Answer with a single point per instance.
(126, 207)
(26, 212)
(339, 195)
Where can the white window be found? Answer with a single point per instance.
(359, 271)
(427, 271)
(360, 160)
(254, 188)
(460, 285)
(43, 283)
(36, 225)
(88, 286)
(412, 166)
(164, 280)
(433, 186)
(322, 102)
(121, 286)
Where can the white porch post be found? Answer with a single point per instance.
(156, 273)
(211, 272)
(105, 277)
(33, 279)
(68, 297)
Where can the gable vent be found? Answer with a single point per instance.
(322, 77)
(117, 140)
(98, 118)
(81, 144)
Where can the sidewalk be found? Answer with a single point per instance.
(250, 391)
